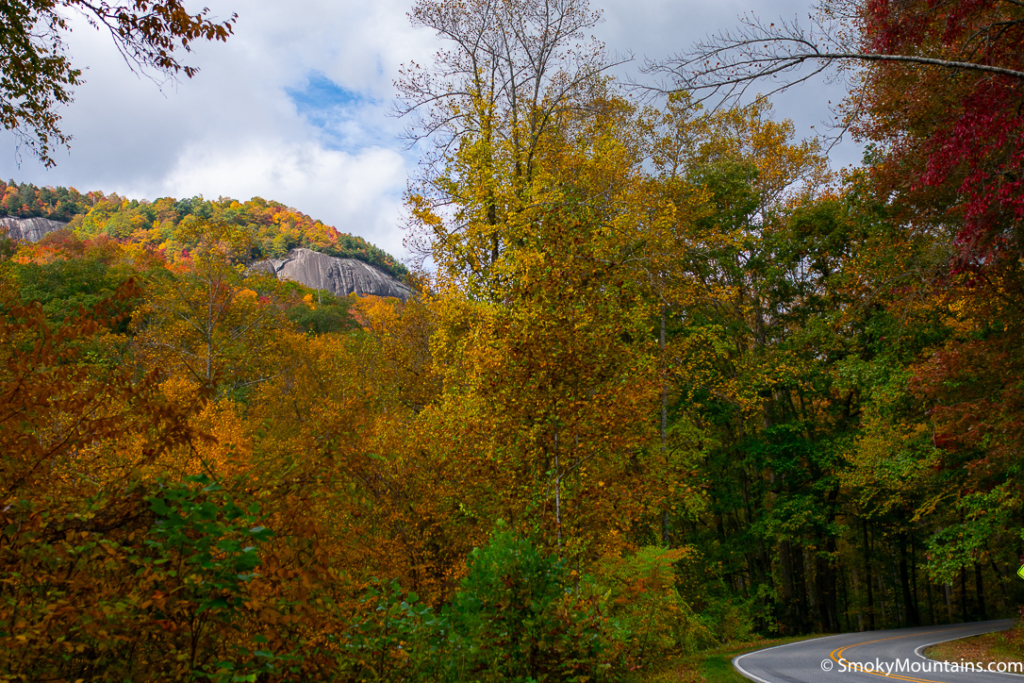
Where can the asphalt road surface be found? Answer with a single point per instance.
(868, 657)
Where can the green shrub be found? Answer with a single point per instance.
(730, 620)
(651, 620)
(512, 619)
(393, 638)
(504, 609)
(332, 314)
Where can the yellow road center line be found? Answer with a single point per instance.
(837, 656)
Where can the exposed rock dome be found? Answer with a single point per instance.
(29, 229)
(340, 276)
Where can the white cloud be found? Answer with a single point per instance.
(234, 131)
(363, 188)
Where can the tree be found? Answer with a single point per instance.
(961, 142)
(531, 204)
(512, 67)
(952, 166)
(558, 362)
(939, 99)
(206, 326)
(940, 92)
(37, 75)
(756, 331)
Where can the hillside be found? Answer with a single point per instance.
(272, 228)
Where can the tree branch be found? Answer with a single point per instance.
(728, 63)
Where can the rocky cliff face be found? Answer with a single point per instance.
(29, 229)
(341, 276)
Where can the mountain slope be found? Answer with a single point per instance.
(273, 229)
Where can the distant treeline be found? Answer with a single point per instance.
(275, 228)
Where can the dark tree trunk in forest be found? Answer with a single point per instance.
(1001, 592)
(963, 594)
(892, 567)
(825, 580)
(856, 598)
(913, 577)
(883, 609)
(909, 608)
(794, 588)
(825, 573)
(844, 600)
(800, 587)
(931, 605)
(980, 588)
(786, 574)
(868, 578)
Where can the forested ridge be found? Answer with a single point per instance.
(670, 382)
(273, 228)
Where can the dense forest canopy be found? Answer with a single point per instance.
(274, 228)
(673, 384)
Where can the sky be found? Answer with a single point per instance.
(293, 107)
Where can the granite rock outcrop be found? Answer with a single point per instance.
(29, 229)
(340, 276)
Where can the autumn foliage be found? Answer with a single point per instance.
(669, 382)
(274, 228)
(962, 144)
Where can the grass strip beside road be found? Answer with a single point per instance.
(715, 666)
(1002, 646)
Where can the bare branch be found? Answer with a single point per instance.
(726, 64)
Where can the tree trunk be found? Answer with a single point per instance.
(909, 608)
(788, 593)
(882, 603)
(931, 603)
(856, 598)
(666, 538)
(825, 580)
(800, 588)
(868, 578)
(913, 576)
(963, 594)
(843, 589)
(980, 588)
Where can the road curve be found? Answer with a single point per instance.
(866, 657)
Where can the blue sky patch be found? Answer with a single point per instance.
(321, 93)
(335, 111)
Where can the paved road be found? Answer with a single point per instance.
(866, 657)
